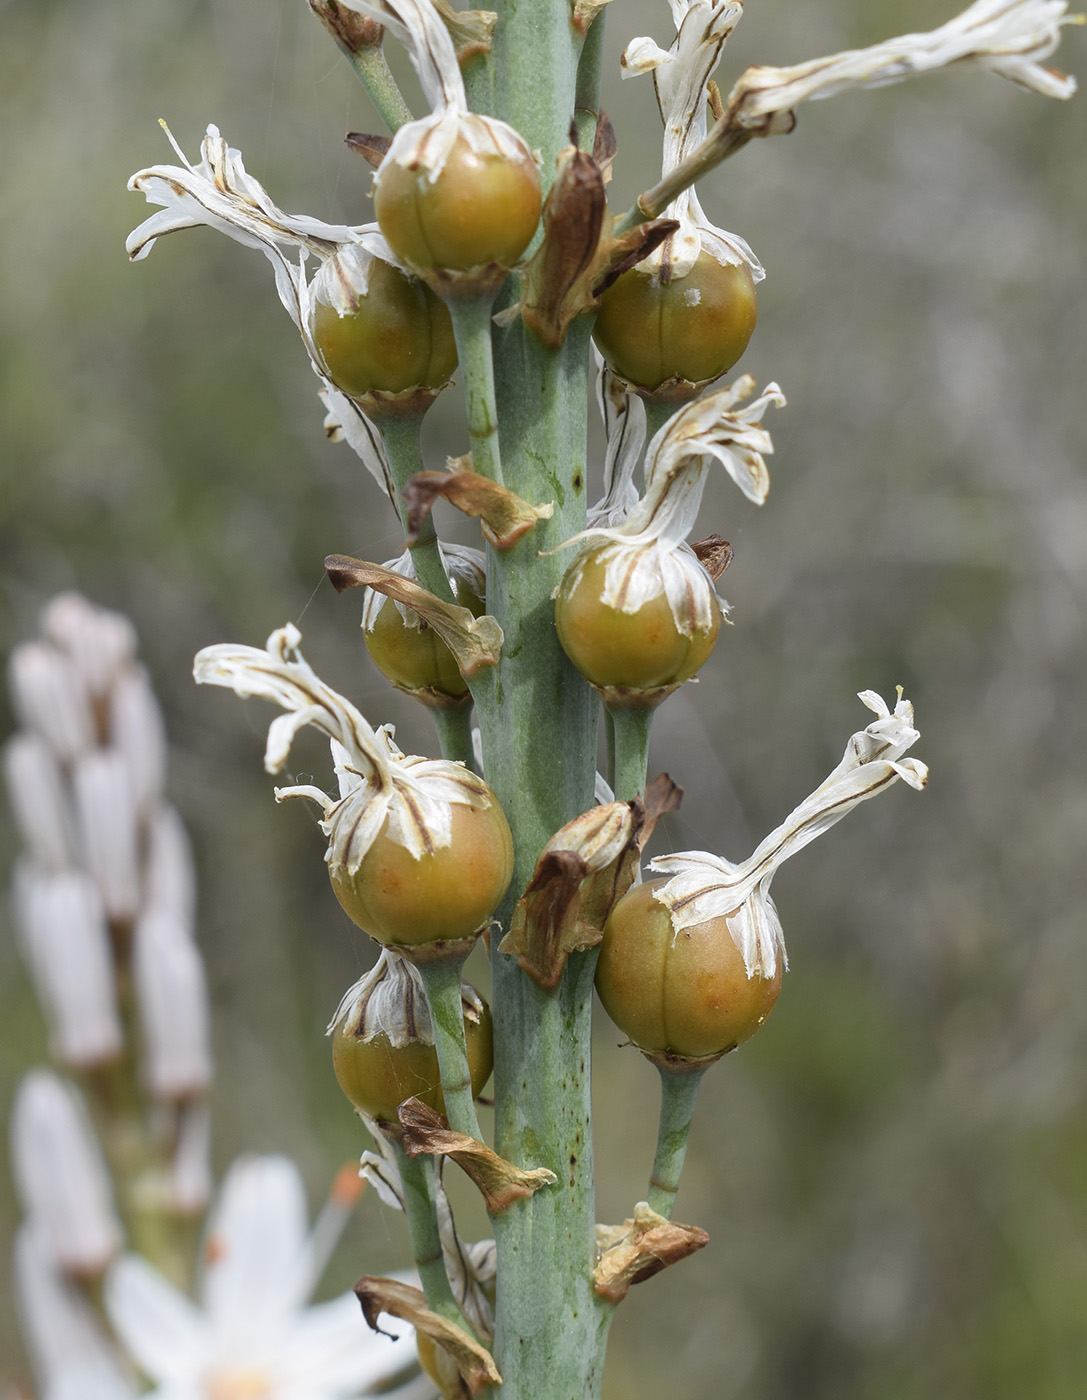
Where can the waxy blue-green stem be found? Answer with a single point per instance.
(628, 749)
(679, 1089)
(404, 451)
(381, 87)
(417, 1176)
(442, 982)
(472, 328)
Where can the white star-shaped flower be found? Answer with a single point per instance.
(254, 1338)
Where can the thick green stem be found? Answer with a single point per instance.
(441, 982)
(455, 734)
(587, 94)
(417, 1178)
(374, 74)
(656, 415)
(679, 1089)
(629, 728)
(403, 448)
(472, 328)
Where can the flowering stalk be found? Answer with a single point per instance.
(458, 200)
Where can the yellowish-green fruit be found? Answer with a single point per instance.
(479, 209)
(643, 650)
(683, 993)
(447, 893)
(378, 1076)
(400, 336)
(416, 658)
(693, 328)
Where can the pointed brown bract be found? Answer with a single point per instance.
(583, 12)
(352, 31)
(640, 1248)
(714, 554)
(582, 872)
(503, 516)
(499, 1182)
(472, 31)
(373, 149)
(578, 257)
(474, 641)
(386, 1295)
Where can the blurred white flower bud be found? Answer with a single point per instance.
(100, 642)
(49, 695)
(68, 948)
(136, 731)
(190, 1173)
(39, 800)
(71, 1357)
(106, 819)
(169, 875)
(60, 1176)
(173, 1004)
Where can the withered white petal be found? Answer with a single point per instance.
(1008, 37)
(706, 887)
(409, 796)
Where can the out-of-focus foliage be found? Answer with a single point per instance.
(894, 1173)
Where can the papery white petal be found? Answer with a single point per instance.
(39, 800)
(137, 732)
(60, 1176)
(171, 993)
(255, 1276)
(642, 55)
(625, 429)
(71, 1355)
(100, 642)
(419, 27)
(164, 1332)
(704, 887)
(49, 695)
(107, 824)
(346, 421)
(70, 954)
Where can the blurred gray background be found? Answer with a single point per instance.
(894, 1172)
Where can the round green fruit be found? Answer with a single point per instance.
(400, 337)
(643, 650)
(447, 893)
(684, 993)
(691, 328)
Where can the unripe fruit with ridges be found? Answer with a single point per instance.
(691, 328)
(482, 207)
(378, 1076)
(416, 658)
(643, 650)
(679, 992)
(399, 337)
(447, 893)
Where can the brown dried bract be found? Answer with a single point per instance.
(386, 1295)
(714, 554)
(661, 795)
(351, 30)
(474, 641)
(472, 31)
(499, 1182)
(503, 516)
(582, 873)
(640, 1248)
(373, 149)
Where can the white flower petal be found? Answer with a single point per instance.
(165, 1333)
(255, 1276)
(171, 993)
(334, 1352)
(107, 824)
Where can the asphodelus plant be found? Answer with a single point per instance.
(495, 258)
